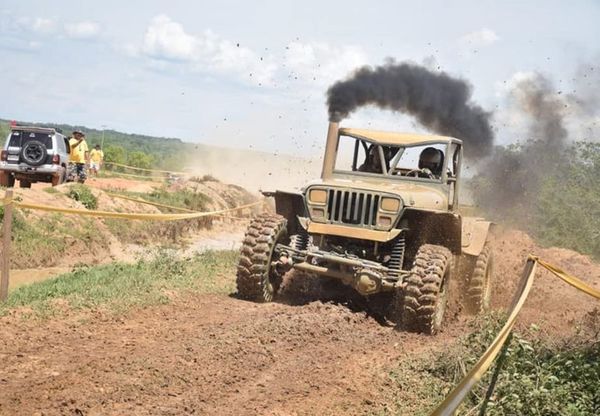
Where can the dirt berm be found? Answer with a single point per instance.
(215, 354)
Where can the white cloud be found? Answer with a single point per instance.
(166, 39)
(37, 25)
(317, 64)
(82, 30)
(479, 38)
(321, 62)
(43, 25)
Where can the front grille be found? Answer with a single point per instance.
(352, 207)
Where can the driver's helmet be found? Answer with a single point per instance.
(432, 159)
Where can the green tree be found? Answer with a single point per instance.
(115, 154)
(140, 160)
(568, 204)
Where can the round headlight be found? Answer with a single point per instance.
(390, 204)
(317, 196)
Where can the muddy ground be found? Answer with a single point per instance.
(215, 354)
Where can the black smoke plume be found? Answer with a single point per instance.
(510, 180)
(438, 101)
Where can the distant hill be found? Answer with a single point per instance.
(165, 146)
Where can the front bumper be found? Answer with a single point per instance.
(366, 276)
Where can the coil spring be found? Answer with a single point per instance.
(300, 240)
(397, 257)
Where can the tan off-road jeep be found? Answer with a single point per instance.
(383, 218)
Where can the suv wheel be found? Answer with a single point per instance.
(257, 279)
(34, 153)
(59, 177)
(7, 179)
(426, 290)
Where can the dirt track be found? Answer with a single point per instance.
(211, 354)
(204, 353)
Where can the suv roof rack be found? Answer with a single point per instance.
(36, 129)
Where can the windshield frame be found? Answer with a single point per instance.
(385, 174)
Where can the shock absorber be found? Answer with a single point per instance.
(397, 256)
(300, 240)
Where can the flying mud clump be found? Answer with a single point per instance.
(438, 101)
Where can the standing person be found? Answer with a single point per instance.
(80, 155)
(96, 159)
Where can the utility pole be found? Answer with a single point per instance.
(103, 128)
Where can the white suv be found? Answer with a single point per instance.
(34, 154)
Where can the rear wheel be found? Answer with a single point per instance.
(257, 279)
(426, 291)
(7, 180)
(479, 288)
(58, 177)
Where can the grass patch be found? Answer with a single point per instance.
(162, 234)
(538, 378)
(83, 194)
(120, 286)
(143, 232)
(42, 242)
(111, 173)
(183, 198)
(51, 190)
(205, 178)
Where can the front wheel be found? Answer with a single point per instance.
(257, 279)
(426, 291)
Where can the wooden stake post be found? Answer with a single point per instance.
(6, 237)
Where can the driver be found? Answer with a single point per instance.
(432, 159)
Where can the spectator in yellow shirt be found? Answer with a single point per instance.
(96, 159)
(79, 155)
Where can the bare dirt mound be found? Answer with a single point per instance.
(552, 303)
(204, 354)
(69, 240)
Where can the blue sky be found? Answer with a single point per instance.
(254, 74)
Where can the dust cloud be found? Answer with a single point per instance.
(255, 170)
(509, 180)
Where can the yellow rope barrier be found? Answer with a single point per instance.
(450, 404)
(131, 175)
(123, 215)
(156, 204)
(143, 169)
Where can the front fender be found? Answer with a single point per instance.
(290, 205)
(474, 235)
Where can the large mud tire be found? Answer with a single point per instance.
(256, 279)
(479, 287)
(426, 291)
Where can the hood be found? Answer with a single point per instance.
(426, 196)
